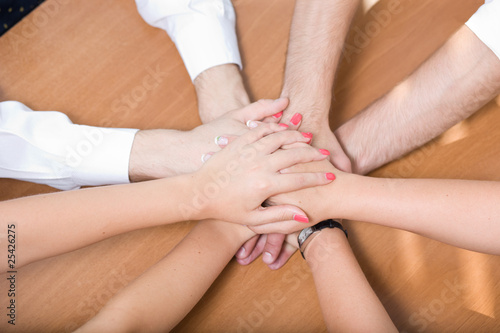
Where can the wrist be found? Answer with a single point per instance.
(345, 190)
(234, 235)
(326, 244)
(314, 110)
(220, 89)
(162, 153)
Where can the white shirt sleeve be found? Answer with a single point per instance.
(203, 30)
(45, 147)
(485, 23)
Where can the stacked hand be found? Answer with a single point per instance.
(152, 151)
(276, 251)
(253, 168)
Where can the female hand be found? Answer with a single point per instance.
(233, 184)
(161, 153)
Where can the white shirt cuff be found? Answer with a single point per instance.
(102, 157)
(203, 31)
(45, 147)
(485, 23)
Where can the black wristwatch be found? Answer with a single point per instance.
(304, 236)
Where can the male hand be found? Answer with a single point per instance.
(163, 153)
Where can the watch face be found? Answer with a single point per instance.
(304, 234)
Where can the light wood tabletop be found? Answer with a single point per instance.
(84, 58)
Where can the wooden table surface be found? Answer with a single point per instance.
(85, 58)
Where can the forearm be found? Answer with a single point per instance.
(462, 213)
(220, 89)
(320, 26)
(455, 82)
(347, 301)
(55, 223)
(164, 294)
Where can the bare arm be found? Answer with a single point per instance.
(348, 302)
(316, 40)
(165, 293)
(463, 213)
(247, 169)
(456, 81)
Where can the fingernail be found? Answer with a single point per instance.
(252, 124)
(240, 252)
(307, 135)
(283, 125)
(278, 115)
(324, 152)
(300, 218)
(221, 141)
(330, 176)
(205, 157)
(267, 258)
(296, 119)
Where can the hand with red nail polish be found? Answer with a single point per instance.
(233, 183)
(164, 153)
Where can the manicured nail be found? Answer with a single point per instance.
(296, 119)
(324, 152)
(278, 115)
(283, 125)
(252, 124)
(267, 258)
(221, 141)
(307, 135)
(205, 157)
(330, 176)
(301, 218)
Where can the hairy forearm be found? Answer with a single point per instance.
(164, 294)
(456, 81)
(347, 301)
(320, 26)
(55, 223)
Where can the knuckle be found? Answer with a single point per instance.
(263, 102)
(262, 185)
(300, 180)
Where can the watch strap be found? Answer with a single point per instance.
(305, 235)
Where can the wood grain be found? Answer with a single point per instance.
(89, 59)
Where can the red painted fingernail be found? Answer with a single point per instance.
(324, 152)
(301, 218)
(307, 135)
(296, 119)
(283, 125)
(278, 115)
(330, 176)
